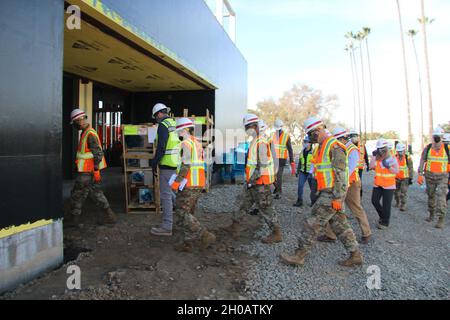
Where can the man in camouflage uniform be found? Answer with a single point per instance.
(192, 171)
(90, 160)
(330, 161)
(260, 174)
(434, 165)
(404, 177)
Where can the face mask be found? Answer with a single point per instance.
(437, 139)
(313, 137)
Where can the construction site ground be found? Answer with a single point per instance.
(127, 262)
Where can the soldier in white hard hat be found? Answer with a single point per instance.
(166, 159)
(89, 162)
(404, 177)
(330, 171)
(260, 175)
(282, 145)
(435, 165)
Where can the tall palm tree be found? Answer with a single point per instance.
(412, 34)
(360, 38)
(423, 21)
(367, 32)
(351, 37)
(408, 104)
(350, 48)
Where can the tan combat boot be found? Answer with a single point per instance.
(440, 224)
(109, 217)
(234, 229)
(430, 218)
(185, 246)
(275, 237)
(297, 259)
(207, 238)
(355, 259)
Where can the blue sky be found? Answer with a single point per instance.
(302, 41)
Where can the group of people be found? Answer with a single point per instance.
(331, 162)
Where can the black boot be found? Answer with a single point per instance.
(299, 203)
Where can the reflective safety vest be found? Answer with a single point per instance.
(171, 156)
(383, 177)
(85, 158)
(403, 172)
(353, 176)
(280, 144)
(362, 156)
(196, 174)
(323, 170)
(306, 165)
(437, 161)
(267, 170)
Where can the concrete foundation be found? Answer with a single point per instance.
(28, 254)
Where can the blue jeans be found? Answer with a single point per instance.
(303, 177)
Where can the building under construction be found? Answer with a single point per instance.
(116, 62)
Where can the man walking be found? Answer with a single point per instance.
(90, 161)
(434, 165)
(167, 159)
(330, 170)
(304, 172)
(260, 175)
(281, 142)
(404, 177)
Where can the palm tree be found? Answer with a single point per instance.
(350, 48)
(412, 34)
(360, 37)
(351, 37)
(424, 21)
(367, 32)
(408, 104)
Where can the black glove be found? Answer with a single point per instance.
(410, 181)
(367, 169)
(296, 175)
(375, 153)
(386, 164)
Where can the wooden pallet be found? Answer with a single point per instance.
(145, 153)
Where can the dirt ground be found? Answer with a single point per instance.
(127, 262)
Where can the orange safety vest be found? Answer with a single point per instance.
(362, 156)
(354, 176)
(267, 170)
(383, 177)
(280, 144)
(403, 172)
(196, 175)
(85, 158)
(437, 161)
(323, 170)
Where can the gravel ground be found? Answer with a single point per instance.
(412, 255)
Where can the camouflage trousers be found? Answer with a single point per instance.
(437, 188)
(84, 187)
(261, 196)
(186, 202)
(321, 214)
(401, 192)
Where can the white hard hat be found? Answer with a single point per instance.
(312, 123)
(382, 143)
(390, 144)
(353, 132)
(77, 114)
(262, 125)
(278, 124)
(159, 107)
(446, 138)
(439, 132)
(184, 123)
(339, 132)
(401, 147)
(250, 119)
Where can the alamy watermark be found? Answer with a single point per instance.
(74, 280)
(73, 22)
(374, 280)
